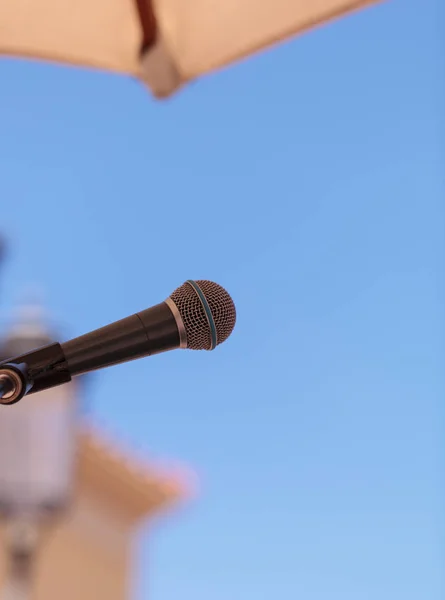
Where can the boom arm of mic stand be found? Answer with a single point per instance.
(33, 372)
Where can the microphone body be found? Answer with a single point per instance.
(151, 331)
(198, 315)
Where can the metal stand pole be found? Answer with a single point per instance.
(22, 539)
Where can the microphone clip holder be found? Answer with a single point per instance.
(14, 382)
(32, 372)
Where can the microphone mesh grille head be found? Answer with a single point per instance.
(205, 329)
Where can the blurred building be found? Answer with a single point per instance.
(84, 497)
(159, 41)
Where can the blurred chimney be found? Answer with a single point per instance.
(29, 330)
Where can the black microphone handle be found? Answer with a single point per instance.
(149, 332)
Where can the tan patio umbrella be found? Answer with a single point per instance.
(165, 43)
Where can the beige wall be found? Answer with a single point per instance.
(86, 557)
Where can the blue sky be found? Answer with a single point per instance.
(309, 182)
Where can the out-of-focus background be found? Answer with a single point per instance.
(302, 459)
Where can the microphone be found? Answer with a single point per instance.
(198, 315)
